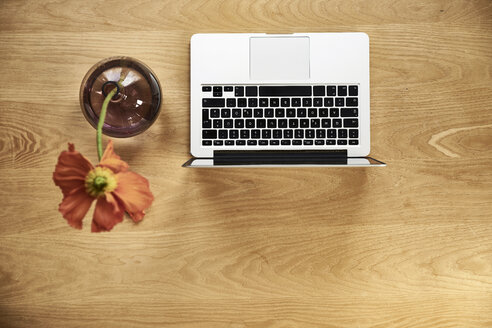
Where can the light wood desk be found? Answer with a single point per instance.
(409, 245)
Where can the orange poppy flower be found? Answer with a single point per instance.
(110, 183)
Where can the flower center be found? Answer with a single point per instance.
(99, 181)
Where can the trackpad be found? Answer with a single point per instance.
(279, 58)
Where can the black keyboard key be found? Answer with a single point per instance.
(353, 142)
(229, 143)
(315, 122)
(261, 123)
(340, 102)
(217, 89)
(299, 133)
(222, 134)
(239, 91)
(309, 133)
(296, 142)
(231, 102)
(278, 91)
(328, 102)
(342, 90)
(320, 133)
(291, 112)
(352, 102)
(252, 91)
(207, 89)
(241, 102)
(331, 91)
(250, 123)
(244, 134)
(307, 102)
(236, 112)
(326, 123)
(319, 142)
(255, 134)
(308, 142)
(337, 123)
(304, 123)
(263, 102)
(205, 114)
(334, 112)
(293, 123)
(331, 133)
(207, 143)
(319, 90)
(353, 90)
(274, 102)
(282, 123)
(318, 102)
(253, 102)
(225, 113)
(312, 112)
(331, 142)
(218, 142)
(323, 112)
(342, 133)
(268, 112)
(233, 134)
(258, 112)
(217, 124)
(252, 142)
(217, 94)
(228, 88)
(353, 133)
(285, 102)
(214, 112)
(285, 142)
(341, 142)
(239, 123)
(277, 134)
(350, 123)
(279, 112)
(272, 123)
(288, 134)
(301, 112)
(247, 112)
(228, 124)
(296, 102)
(240, 142)
(213, 102)
(349, 112)
(263, 142)
(207, 124)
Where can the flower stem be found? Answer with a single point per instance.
(100, 123)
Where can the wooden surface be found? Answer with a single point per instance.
(409, 245)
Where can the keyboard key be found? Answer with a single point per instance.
(229, 142)
(352, 102)
(326, 123)
(239, 123)
(252, 91)
(353, 142)
(304, 123)
(353, 133)
(240, 142)
(222, 134)
(331, 142)
(293, 123)
(274, 102)
(217, 124)
(207, 143)
(279, 112)
(261, 123)
(309, 133)
(228, 88)
(228, 124)
(231, 102)
(272, 123)
(349, 112)
(285, 102)
(301, 112)
(250, 123)
(288, 134)
(244, 134)
(282, 123)
(205, 114)
(278, 91)
(252, 102)
(339, 102)
(337, 123)
(263, 142)
(207, 89)
(318, 102)
(341, 142)
(217, 89)
(315, 122)
(285, 142)
(268, 112)
(323, 112)
(214, 112)
(353, 90)
(331, 90)
(225, 112)
(233, 134)
(296, 102)
(247, 112)
(277, 134)
(328, 102)
(319, 142)
(296, 142)
(299, 133)
(274, 142)
(342, 133)
(333, 112)
(239, 91)
(263, 102)
(331, 133)
(258, 112)
(319, 90)
(207, 124)
(342, 90)
(291, 112)
(252, 142)
(307, 102)
(350, 123)
(241, 102)
(236, 112)
(308, 142)
(320, 133)
(255, 134)
(217, 94)
(312, 112)
(213, 102)
(218, 142)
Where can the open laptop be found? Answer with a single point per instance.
(297, 99)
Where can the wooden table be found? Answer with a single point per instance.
(409, 245)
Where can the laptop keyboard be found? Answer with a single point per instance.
(285, 115)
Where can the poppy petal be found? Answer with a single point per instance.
(111, 160)
(71, 170)
(75, 205)
(107, 213)
(134, 194)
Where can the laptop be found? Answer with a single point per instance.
(277, 100)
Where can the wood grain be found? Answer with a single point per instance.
(408, 245)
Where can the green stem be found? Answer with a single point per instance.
(100, 123)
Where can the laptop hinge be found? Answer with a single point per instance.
(238, 157)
